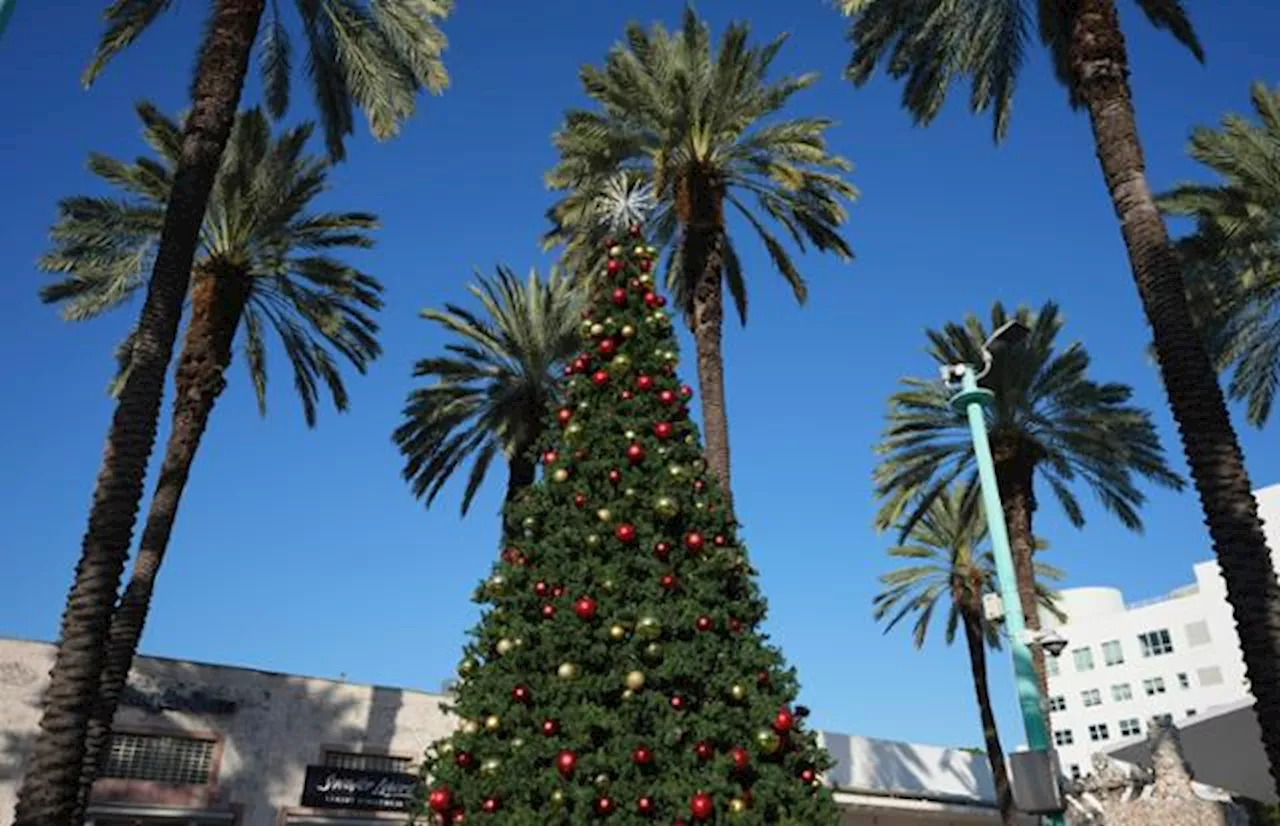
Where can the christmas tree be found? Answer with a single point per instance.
(618, 672)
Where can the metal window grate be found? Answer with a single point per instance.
(368, 762)
(160, 758)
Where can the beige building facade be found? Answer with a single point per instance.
(199, 745)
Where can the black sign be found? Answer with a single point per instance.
(328, 787)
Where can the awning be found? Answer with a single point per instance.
(1223, 746)
(104, 814)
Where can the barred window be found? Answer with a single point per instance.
(368, 762)
(161, 758)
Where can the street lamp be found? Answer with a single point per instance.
(970, 400)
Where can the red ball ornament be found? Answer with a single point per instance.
(762, 677)
(579, 365)
(615, 476)
(699, 485)
(651, 300)
(645, 265)
(677, 702)
(701, 806)
(585, 608)
(566, 762)
(625, 532)
(626, 395)
(599, 378)
(607, 346)
(666, 397)
(662, 301)
(703, 751)
(521, 694)
(662, 430)
(686, 391)
(440, 800)
(668, 582)
(550, 457)
(644, 383)
(609, 241)
(720, 540)
(645, 806)
(557, 591)
(694, 542)
(604, 806)
(735, 625)
(783, 720)
(541, 588)
(634, 283)
(459, 816)
(563, 415)
(741, 758)
(490, 805)
(635, 453)
(550, 727)
(642, 756)
(614, 266)
(703, 623)
(580, 454)
(579, 500)
(567, 370)
(635, 230)
(548, 611)
(619, 297)
(662, 549)
(808, 776)
(464, 759)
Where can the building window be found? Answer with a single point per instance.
(1155, 643)
(1165, 719)
(1083, 658)
(368, 762)
(1058, 703)
(1098, 732)
(1153, 686)
(1075, 771)
(1051, 666)
(1130, 727)
(1063, 738)
(1184, 681)
(1198, 634)
(1111, 653)
(1209, 676)
(1121, 692)
(1191, 712)
(1092, 697)
(172, 759)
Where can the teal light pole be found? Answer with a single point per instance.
(971, 401)
(6, 12)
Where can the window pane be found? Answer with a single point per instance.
(1083, 658)
(1112, 653)
(160, 758)
(367, 762)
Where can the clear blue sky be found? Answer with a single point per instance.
(303, 551)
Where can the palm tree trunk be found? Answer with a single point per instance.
(522, 473)
(976, 643)
(1099, 65)
(1015, 474)
(48, 794)
(217, 305)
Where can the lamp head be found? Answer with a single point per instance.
(1007, 335)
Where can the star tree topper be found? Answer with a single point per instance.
(624, 201)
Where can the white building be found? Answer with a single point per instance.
(1175, 655)
(206, 745)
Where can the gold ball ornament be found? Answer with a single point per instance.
(608, 321)
(571, 433)
(737, 806)
(584, 405)
(630, 434)
(557, 798)
(467, 667)
(699, 465)
(690, 440)
(445, 748)
(627, 694)
(490, 766)
(628, 331)
(662, 451)
(560, 475)
(505, 646)
(617, 633)
(651, 250)
(567, 671)
(517, 742)
(675, 471)
(634, 680)
(519, 641)
(593, 540)
(602, 781)
(497, 583)
(666, 507)
(604, 515)
(629, 492)
(621, 361)
(646, 279)
(530, 522)
(737, 692)
(471, 727)
(700, 505)
(607, 585)
(653, 652)
(615, 251)
(597, 329)
(492, 723)
(649, 628)
(639, 250)
(768, 741)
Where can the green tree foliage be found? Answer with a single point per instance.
(1232, 260)
(1049, 423)
(945, 564)
(490, 393)
(702, 125)
(618, 668)
(265, 266)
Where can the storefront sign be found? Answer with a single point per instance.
(327, 787)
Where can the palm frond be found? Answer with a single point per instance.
(126, 20)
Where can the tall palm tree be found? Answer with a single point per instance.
(700, 125)
(491, 393)
(1232, 261)
(264, 266)
(933, 42)
(946, 564)
(1049, 422)
(377, 58)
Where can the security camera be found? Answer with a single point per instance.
(1051, 641)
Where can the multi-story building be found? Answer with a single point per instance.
(1176, 656)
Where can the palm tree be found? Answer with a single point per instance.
(264, 266)
(931, 43)
(700, 126)
(1232, 261)
(491, 394)
(378, 59)
(1049, 422)
(945, 560)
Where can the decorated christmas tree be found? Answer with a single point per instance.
(618, 672)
